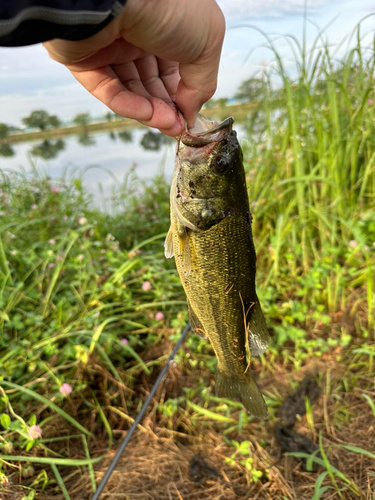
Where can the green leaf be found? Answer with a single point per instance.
(30, 496)
(68, 462)
(370, 402)
(5, 420)
(15, 425)
(210, 414)
(32, 420)
(361, 451)
(60, 482)
(317, 460)
(318, 491)
(29, 445)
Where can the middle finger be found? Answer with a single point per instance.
(128, 75)
(148, 71)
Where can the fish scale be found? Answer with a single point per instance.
(220, 304)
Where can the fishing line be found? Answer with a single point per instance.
(139, 417)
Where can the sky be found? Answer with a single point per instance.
(29, 80)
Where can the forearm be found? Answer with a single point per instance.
(35, 21)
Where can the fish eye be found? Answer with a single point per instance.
(221, 163)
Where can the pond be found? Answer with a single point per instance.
(102, 160)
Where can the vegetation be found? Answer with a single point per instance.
(6, 150)
(4, 130)
(42, 120)
(254, 89)
(89, 310)
(216, 103)
(82, 119)
(48, 149)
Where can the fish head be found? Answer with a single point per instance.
(209, 180)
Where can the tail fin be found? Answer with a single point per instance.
(243, 388)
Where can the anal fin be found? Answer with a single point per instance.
(257, 330)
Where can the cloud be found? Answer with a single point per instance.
(250, 9)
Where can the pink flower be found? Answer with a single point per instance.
(51, 241)
(353, 244)
(80, 257)
(146, 286)
(51, 265)
(65, 389)
(124, 341)
(159, 316)
(370, 102)
(34, 432)
(82, 221)
(65, 217)
(55, 189)
(34, 207)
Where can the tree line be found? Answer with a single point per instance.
(42, 120)
(254, 89)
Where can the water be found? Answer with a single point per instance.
(102, 160)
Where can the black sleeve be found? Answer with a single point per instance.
(25, 22)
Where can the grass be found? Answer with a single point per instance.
(80, 290)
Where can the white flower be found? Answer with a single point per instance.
(34, 432)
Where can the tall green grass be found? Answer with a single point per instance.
(311, 156)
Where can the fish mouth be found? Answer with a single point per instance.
(214, 134)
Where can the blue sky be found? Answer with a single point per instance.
(30, 80)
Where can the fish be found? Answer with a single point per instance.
(211, 240)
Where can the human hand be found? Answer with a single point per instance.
(153, 53)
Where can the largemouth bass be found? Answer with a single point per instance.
(211, 239)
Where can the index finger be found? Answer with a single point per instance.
(199, 78)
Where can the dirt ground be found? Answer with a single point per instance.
(168, 465)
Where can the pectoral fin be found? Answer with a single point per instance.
(168, 244)
(183, 250)
(257, 330)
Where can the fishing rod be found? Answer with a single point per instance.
(139, 417)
